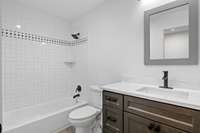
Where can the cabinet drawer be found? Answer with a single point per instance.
(137, 124)
(179, 117)
(113, 100)
(113, 120)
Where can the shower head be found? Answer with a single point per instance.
(75, 36)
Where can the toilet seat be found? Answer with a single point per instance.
(83, 113)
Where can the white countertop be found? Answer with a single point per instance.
(192, 101)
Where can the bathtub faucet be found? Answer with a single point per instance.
(75, 96)
(77, 93)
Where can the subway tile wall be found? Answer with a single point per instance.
(33, 72)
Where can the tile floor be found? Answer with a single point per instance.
(68, 130)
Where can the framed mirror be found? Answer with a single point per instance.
(171, 34)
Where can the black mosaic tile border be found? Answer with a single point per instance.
(8, 33)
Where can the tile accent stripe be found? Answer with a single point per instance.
(8, 33)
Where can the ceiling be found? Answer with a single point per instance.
(67, 9)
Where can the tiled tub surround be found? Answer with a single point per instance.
(33, 68)
(32, 73)
(33, 56)
(43, 118)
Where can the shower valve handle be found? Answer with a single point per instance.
(79, 88)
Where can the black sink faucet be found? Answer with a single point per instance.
(165, 81)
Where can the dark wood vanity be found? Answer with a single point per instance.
(128, 114)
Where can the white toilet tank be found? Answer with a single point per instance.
(95, 100)
(95, 97)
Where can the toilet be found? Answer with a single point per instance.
(83, 118)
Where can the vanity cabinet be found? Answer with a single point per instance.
(129, 114)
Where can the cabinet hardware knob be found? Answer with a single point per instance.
(157, 129)
(111, 99)
(151, 126)
(112, 119)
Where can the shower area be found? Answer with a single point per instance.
(41, 61)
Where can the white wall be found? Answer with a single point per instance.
(116, 44)
(33, 73)
(33, 20)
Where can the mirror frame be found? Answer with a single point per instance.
(193, 34)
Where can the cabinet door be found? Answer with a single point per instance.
(113, 120)
(137, 124)
(174, 116)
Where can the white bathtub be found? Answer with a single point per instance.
(44, 118)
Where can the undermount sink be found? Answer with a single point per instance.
(164, 93)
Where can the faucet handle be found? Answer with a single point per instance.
(165, 71)
(78, 88)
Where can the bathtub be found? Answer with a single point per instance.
(44, 118)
